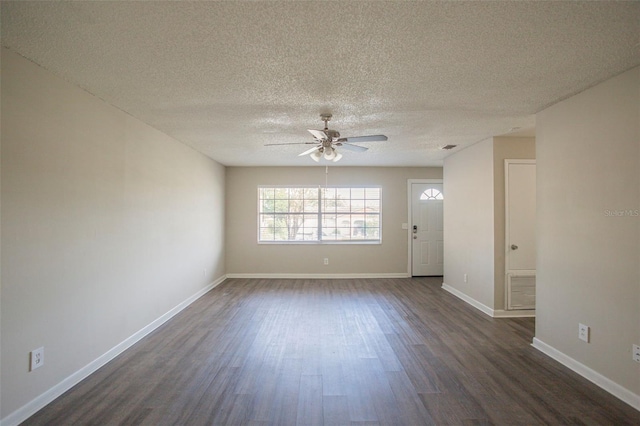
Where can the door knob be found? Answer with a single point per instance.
(514, 247)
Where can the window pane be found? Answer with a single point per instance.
(328, 205)
(296, 206)
(309, 234)
(311, 193)
(328, 220)
(372, 193)
(267, 206)
(310, 206)
(343, 193)
(372, 206)
(372, 221)
(329, 234)
(357, 206)
(357, 193)
(281, 193)
(296, 193)
(372, 234)
(343, 233)
(280, 234)
(266, 234)
(329, 193)
(266, 193)
(357, 217)
(431, 194)
(343, 206)
(281, 206)
(266, 219)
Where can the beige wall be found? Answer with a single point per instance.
(107, 224)
(469, 222)
(588, 263)
(245, 256)
(504, 148)
(1, 415)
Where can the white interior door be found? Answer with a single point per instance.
(426, 229)
(520, 215)
(520, 241)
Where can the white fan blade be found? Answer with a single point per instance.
(370, 138)
(291, 143)
(309, 151)
(318, 134)
(353, 147)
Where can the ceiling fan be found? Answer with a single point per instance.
(327, 140)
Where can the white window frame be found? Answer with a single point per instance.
(318, 233)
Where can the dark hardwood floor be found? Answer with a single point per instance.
(335, 352)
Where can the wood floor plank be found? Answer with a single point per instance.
(360, 402)
(335, 352)
(335, 410)
(310, 409)
(411, 409)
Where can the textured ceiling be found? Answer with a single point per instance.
(228, 77)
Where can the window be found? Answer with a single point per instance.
(431, 194)
(308, 214)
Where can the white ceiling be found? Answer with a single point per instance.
(228, 77)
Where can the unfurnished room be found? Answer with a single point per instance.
(320, 213)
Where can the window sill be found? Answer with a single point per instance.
(305, 243)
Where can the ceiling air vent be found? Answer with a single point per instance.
(448, 146)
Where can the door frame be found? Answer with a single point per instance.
(410, 217)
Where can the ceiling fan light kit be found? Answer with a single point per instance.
(327, 140)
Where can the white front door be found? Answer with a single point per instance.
(426, 229)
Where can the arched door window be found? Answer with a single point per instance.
(431, 194)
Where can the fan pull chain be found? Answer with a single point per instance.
(326, 177)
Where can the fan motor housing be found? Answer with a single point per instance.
(333, 134)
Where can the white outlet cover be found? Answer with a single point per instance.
(36, 359)
(583, 332)
(636, 353)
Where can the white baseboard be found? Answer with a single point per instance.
(319, 276)
(610, 386)
(29, 409)
(473, 302)
(515, 313)
(495, 313)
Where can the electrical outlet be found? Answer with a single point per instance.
(466, 278)
(583, 332)
(326, 260)
(636, 353)
(36, 358)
